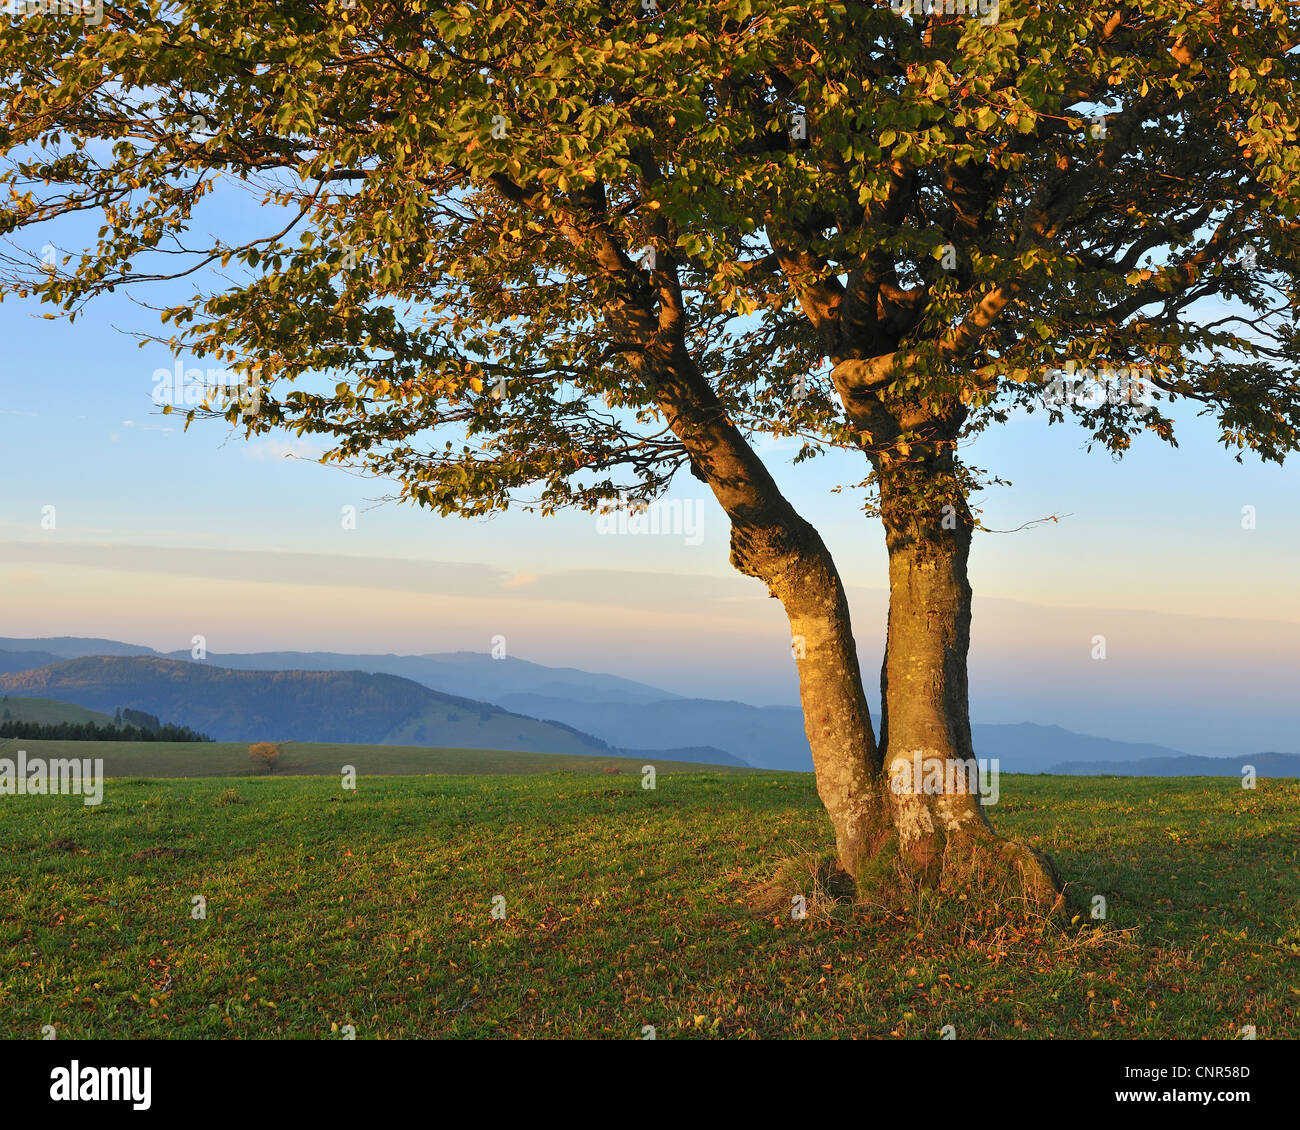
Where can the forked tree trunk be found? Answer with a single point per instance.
(943, 834)
(925, 667)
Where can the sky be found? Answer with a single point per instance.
(161, 535)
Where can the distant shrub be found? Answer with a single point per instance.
(265, 756)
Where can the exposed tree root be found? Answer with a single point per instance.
(973, 871)
(975, 866)
(952, 856)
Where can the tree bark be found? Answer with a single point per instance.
(944, 835)
(798, 570)
(924, 692)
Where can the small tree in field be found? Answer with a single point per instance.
(546, 254)
(265, 756)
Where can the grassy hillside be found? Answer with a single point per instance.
(49, 710)
(625, 907)
(230, 759)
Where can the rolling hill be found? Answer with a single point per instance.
(49, 710)
(74, 647)
(1265, 764)
(467, 674)
(308, 706)
(25, 660)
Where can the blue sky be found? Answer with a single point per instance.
(1152, 547)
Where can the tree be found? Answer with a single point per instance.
(265, 756)
(538, 255)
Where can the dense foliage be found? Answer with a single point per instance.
(502, 222)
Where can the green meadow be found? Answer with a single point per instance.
(230, 759)
(623, 909)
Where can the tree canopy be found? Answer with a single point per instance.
(484, 220)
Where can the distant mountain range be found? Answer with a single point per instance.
(1265, 765)
(320, 706)
(470, 700)
(466, 673)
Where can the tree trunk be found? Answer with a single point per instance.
(944, 836)
(800, 573)
(770, 541)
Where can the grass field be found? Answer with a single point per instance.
(624, 908)
(230, 759)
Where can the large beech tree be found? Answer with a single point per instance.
(538, 253)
